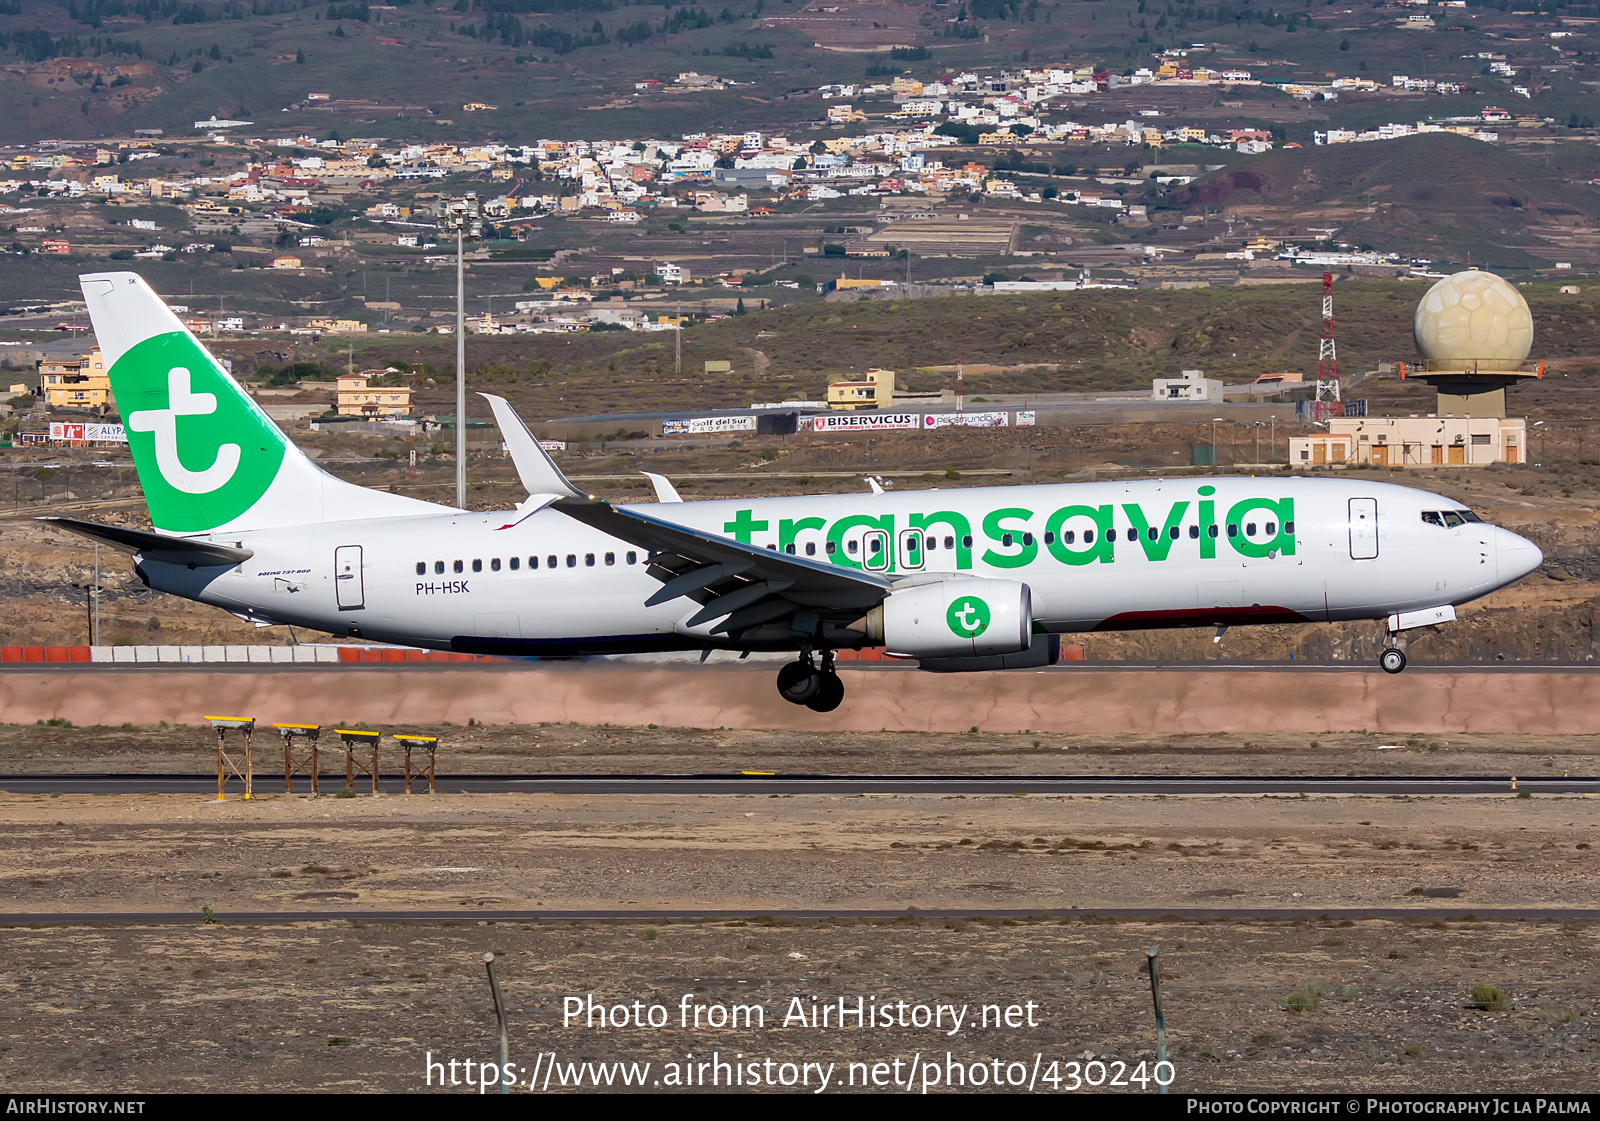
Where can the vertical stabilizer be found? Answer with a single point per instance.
(208, 458)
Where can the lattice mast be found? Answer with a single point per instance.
(1327, 403)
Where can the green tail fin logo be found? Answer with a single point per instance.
(205, 454)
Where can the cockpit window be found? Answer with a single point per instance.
(1449, 518)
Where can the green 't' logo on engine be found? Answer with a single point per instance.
(968, 617)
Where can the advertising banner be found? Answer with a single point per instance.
(965, 420)
(1025, 419)
(865, 422)
(93, 433)
(701, 425)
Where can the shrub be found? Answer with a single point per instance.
(1306, 998)
(1490, 998)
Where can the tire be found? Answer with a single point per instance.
(798, 682)
(830, 693)
(1392, 660)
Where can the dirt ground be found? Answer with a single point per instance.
(344, 1006)
(574, 749)
(180, 853)
(360, 1005)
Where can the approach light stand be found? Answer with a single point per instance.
(461, 216)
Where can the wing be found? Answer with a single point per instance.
(759, 595)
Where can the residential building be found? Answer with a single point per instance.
(1192, 385)
(359, 397)
(79, 383)
(874, 391)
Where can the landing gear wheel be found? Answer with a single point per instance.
(830, 693)
(799, 681)
(1393, 660)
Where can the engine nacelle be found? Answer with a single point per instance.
(954, 619)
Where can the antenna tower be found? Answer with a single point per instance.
(1327, 403)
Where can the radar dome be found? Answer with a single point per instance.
(1473, 319)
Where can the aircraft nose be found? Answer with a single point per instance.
(1515, 555)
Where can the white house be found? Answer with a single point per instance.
(1193, 385)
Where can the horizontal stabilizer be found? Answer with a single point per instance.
(156, 546)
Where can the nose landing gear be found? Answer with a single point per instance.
(1393, 660)
(801, 682)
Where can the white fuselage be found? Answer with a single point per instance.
(1097, 556)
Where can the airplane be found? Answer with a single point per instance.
(964, 580)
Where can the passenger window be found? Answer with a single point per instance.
(1431, 517)
(1005, 540)
(477, 565)
(533, 562)
(1152, 533)
(1111, 535)
(1211, 531)
(1027, 539)
(833, 547)
(1088, 537)
(1272, 529)
(1194, 532)
(611, 558)
(438, 567)
(1233, 529)
(966, 541)
(633, 558)
(457, 566)
(1049, 537)
(516, 563)
(572, 560)
(789, 548)
(1249, 529)
(422, 568)
(494, 564)
(850, 547)
(1068, 537)
(913, 544)
(811, 548)
(588, 560)
(1173, 533)
(877, 546)
(950, 542)
(772, 548)
(550, 561)
(1288, 527)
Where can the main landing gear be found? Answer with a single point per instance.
(802, 683)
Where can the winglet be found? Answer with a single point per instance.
(535, 468)
(665, 491)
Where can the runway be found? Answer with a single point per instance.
(861, 786)
(1088, 915)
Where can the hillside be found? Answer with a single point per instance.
(1458, 198)
(1070, 341)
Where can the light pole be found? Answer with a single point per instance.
(461, 216)
(1214, 420)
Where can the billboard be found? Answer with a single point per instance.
(701, 425)
(93, 433)
(865, 422)
(965, 420)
